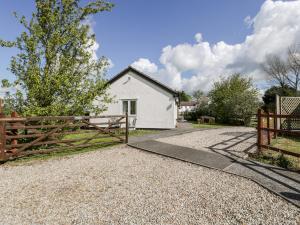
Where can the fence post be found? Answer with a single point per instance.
(14, 131)
(127, 127)
(275, 125)
(259, 130)
(278, 111)
(268, 127)
(2, 134)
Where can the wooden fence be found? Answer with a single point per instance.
(268, 129)
(22, 136)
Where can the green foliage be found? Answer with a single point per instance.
(269, 97)
(198, 95)
(203, 109)
(208, 126)
(184, 97)
(5, 83)
(278, 159)
(234, 100)
(13, 102)
(104, 143)
(55, 71)
(282, 161)
(190, 116)
(9, 103)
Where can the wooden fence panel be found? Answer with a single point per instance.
(20, 136)
(2, 138)
(267, 129)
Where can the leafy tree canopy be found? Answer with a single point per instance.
(5, 83)
(234, 99)
(184, 97)
(269, 97)
(56, 73)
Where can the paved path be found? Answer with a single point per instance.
(283, 182)
(185, 154)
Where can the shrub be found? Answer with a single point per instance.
(234, 100)
(282, 161)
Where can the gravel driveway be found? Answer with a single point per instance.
(235, 141)
(122, 185)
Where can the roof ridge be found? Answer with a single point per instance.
(123, 72)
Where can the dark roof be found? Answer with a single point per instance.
(146, 77)
(191, 103)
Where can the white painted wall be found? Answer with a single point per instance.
(183, 109)
(156, 108)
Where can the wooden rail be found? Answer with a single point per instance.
(20, 136)
(269, 130)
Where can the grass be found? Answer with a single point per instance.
(208, 126)
(291, 144)
(278, 159)
(105, 143)
(142, 132)
(58, 154)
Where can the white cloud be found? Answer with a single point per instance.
(110, 63)
(94, 44)
(145, 65)
(248, 21)
(93, 49)
(198, 37)
(275, 27)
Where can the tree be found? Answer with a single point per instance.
(293, 63)
(234, 99)
(5, 83)
(11, 103)
(276, 69)
(56, 73)
(184, 97)
(285, 72)
(269, 97)
(198, 95)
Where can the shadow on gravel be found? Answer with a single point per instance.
(291, 195)
(237, 133)
(268, 176)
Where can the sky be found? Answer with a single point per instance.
(188, 44)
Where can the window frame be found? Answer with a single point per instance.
(129, 106)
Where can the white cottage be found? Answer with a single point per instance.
(187, 106)
(149, 103)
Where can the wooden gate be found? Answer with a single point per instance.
(267, 130)
(22, 136)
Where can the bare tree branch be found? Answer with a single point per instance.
(276, 69)
(293, 63)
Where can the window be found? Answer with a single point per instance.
(129, 106)
(132, 107)
(125, 107)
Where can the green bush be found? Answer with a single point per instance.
(234, 100)
(202, 110)
(282, 161)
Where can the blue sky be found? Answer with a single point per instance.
(141, 28)
(138, 29)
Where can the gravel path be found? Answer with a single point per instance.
(122, 185)
(230, 140)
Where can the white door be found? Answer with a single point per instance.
(129, 107)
